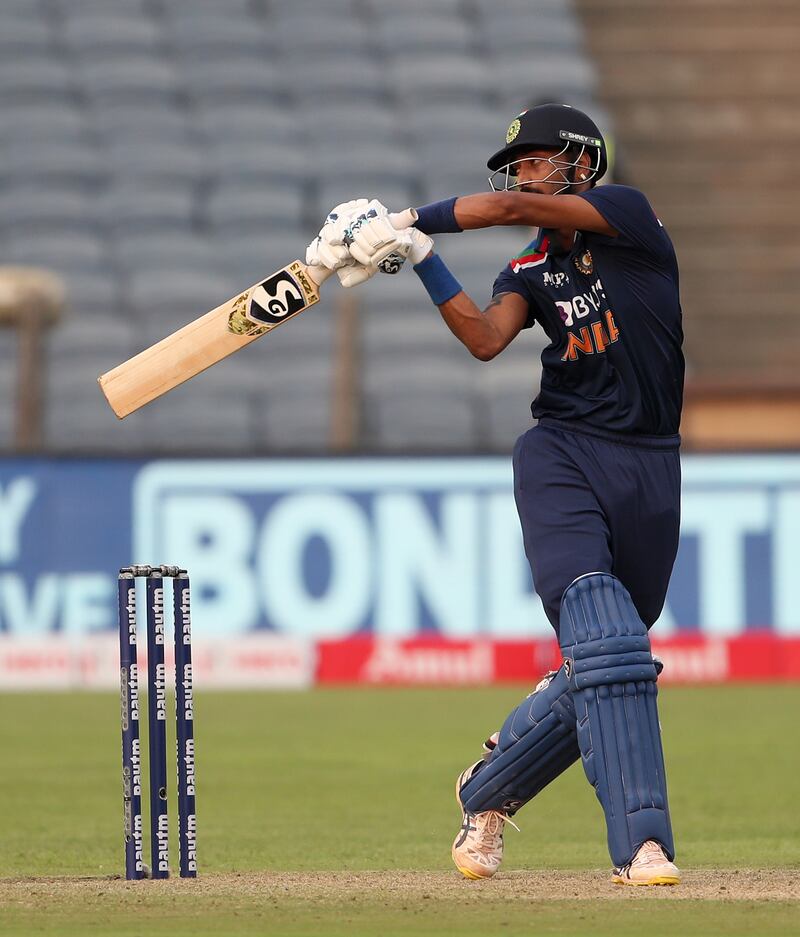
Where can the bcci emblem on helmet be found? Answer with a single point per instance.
(513, 130)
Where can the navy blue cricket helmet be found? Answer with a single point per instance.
(556, 126)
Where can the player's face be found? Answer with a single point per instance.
(540, 170)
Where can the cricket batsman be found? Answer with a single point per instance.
(596, 480)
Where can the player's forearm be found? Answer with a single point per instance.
(485, 210)
(471, 327)
(490, 209)
(463, 317)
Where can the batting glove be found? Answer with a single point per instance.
(336, 229)
(375, 243)
(324, 256)
(320, 253)
(340, 218)
(421, 246)
(328, 251)
(360, 237)
(388, 247)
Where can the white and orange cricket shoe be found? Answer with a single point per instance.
(650, 866)
(478, 849)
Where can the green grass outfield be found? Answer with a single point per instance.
(332, 813)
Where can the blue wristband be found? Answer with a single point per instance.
(437, 279)
(438, 218)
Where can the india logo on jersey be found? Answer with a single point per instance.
(585, 263)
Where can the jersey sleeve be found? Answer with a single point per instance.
(509, 282)
(627, 211)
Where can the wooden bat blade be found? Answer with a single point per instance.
(209, 339)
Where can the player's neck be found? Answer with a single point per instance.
(564, 238)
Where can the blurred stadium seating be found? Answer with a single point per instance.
(161, 154)
(706, 111)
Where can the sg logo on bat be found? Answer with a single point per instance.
(273, 301)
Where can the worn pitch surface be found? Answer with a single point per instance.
(713, 902)
(331, 812)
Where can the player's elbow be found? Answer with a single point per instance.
(484, 351)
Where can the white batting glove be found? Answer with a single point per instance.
(383, 247)
(338, 231)
(340, 218)
(421, 246)
(354, 274)
(389, 250)
(375, 243)
(355, 206)
(331, 257)
(334, 233)
(320, 253)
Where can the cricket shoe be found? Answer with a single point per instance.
(478, 848)
(649, 866)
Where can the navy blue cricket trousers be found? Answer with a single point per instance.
(591, 501)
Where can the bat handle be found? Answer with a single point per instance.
(403, 219)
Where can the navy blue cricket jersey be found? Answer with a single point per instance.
(611, 310)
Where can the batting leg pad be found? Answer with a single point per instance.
(612, 677)
(536, 744)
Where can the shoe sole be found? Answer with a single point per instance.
(468, 873)
(655, 880)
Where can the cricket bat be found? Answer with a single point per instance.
(219, 333)
(212, 337)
